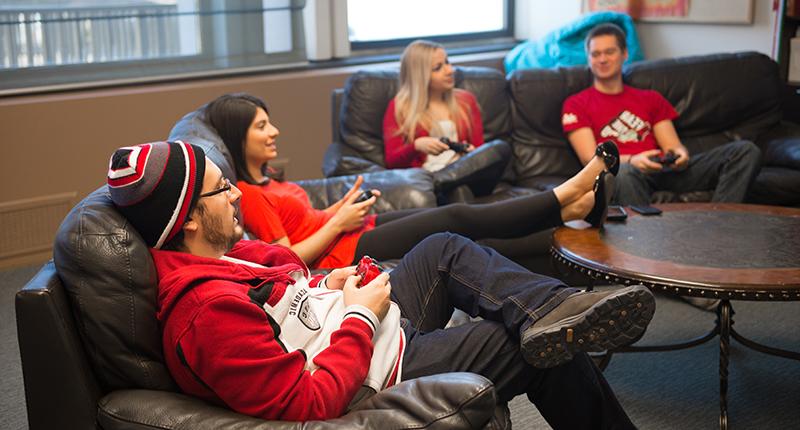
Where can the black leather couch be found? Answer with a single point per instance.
(719, 97)
(91, 345)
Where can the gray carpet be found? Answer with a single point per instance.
(12, 396)
(665, 390)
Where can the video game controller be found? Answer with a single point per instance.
(367, 269)
(458, 147)
(366, 195)
(667, 159)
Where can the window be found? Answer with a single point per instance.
(63, 43)
(374, 23)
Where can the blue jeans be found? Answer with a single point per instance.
(728, 170)
(446, 271)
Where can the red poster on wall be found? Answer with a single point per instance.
(643, 8)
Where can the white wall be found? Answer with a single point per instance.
(535, 18)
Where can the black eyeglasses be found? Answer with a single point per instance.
(226, 188)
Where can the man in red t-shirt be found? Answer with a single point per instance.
(640, 123)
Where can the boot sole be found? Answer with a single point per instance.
(617, 320)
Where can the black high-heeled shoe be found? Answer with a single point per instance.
(609, 152)
(603, 190)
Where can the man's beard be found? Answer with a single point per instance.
(212, 231)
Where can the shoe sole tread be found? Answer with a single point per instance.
(602, 327)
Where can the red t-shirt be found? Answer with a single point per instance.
(282, 209)
(626, 118)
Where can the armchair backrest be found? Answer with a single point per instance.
(109, 277)
(366, 95)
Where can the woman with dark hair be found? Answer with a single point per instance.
(280, 212)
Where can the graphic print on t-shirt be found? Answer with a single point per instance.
(627, 127)
(301, 309)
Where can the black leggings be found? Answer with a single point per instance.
(396, 232)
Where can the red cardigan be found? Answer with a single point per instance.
(401, 154)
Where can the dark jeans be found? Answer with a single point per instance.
(728, 170)
(446, 271)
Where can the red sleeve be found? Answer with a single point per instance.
(259, 215)
(662, 109)
(253, 374)
(573, 115)
(476, 121)
(315, 280)
(397, 153)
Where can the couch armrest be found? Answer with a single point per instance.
(780, 146)
(481, 169)
(783, 152)
(400, 189)
(340, 160)
(449, 401)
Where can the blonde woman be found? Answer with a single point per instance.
(428, 111)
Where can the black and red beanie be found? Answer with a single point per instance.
(156, 186)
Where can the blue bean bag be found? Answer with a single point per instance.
(564, 46)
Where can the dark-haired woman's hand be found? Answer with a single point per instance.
(430, 145)
(350, 215)
(354, 190)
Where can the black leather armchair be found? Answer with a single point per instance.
(357, 147)
(92, 357)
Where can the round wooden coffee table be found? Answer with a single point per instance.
(712, 250)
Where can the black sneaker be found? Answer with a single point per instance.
(588, 321)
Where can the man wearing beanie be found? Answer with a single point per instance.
(245, 325)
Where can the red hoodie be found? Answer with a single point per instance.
(222, 346)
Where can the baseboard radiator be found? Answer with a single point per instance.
(29, 226)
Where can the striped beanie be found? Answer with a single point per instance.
(156, 186)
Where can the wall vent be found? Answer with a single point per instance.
(29, 226)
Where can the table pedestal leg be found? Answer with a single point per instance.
(724, 320)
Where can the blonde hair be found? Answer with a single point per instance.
(411, 101)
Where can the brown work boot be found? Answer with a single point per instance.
(589, 321)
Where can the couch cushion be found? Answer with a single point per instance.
(540, 148)
(721, 97)
(111, 281)
(400, 189)
(491, 91)
(784, 152)
(366, 96)
(776, 186)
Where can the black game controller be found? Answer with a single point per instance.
(458, 147)
(667, 159)
(366, 195)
